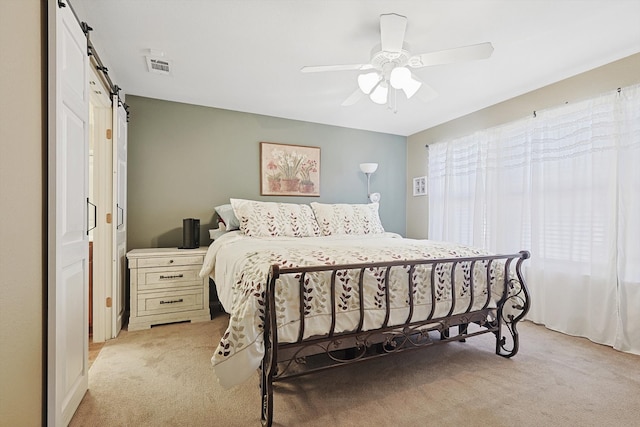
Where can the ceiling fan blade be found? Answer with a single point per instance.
(426, 93)
(353, 98)
(392, 29)
(321, 68)
(449, 56)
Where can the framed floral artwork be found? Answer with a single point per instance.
(289, 170)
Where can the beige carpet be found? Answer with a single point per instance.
(163, 377)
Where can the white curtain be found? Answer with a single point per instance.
(566, 186)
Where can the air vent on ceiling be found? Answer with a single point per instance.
(158, 65)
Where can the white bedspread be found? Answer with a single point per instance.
(240, 265)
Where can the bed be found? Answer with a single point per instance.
(311, 287)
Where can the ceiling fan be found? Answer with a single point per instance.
(391, 60)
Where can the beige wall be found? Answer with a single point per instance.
(183, 160)
(621, 73)
(21, 204)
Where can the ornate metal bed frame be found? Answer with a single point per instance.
(282, 361)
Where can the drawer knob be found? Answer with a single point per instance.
(170, 261)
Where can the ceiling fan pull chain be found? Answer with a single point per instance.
(394, 107)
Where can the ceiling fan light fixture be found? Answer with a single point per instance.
(391, 62)
(368, 81)
(399, 77)
(411, 87)
(380, 93)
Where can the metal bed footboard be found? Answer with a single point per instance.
(336, 348)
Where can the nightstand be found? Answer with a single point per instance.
(166, 288)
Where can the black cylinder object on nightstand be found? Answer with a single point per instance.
(190, 233)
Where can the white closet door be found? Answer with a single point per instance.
(68, 261)
(120, 210)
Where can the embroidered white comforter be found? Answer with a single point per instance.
(240, 265)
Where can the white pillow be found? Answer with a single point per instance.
(225, 212)
(262, 219)
(340, 218)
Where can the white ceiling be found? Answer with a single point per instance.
(246, 55)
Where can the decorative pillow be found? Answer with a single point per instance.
(225, 212)
(347, 219)
(261, 219)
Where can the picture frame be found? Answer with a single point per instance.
(420, 186)
(289, 170)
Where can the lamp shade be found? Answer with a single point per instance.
(368, 81)
(401, 78)
(368, 167)
(411, 87)
(379, 94)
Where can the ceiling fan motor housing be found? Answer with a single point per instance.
(385, 61)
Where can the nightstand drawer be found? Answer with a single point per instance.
(170, 261)
(153, 278)
(169, 302)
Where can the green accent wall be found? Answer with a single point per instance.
(183, 160)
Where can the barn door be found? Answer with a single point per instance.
(68, 259)
(120, 211)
